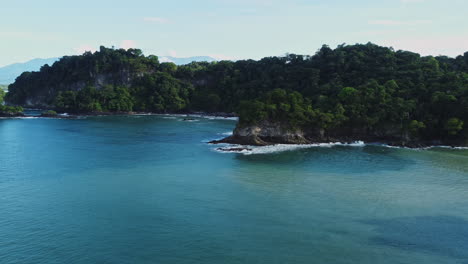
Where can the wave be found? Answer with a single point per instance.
(420, 148)
(219, 136)
(20, 117)
(232, 118)
(196, 116)
(446, 147)
(229, 133)
(252, 150)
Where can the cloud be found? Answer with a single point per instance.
(172, 53)
(430, 45)
(128, 44)
(158, 20)
(400, 22)
(84, 48)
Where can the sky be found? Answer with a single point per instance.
(228, 29)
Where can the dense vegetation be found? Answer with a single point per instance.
(8, 110)
(366, 86)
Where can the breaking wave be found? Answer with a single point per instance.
(252, 150)
(196, 116)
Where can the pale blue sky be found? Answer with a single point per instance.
(228, 28)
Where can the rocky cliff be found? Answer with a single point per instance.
(265, 133)
(42, 96)
(270, 133)
(74, 73)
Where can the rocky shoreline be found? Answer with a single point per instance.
(11, 115)
(240, 144)
(45, 114)
(270, 133)
(267, 134)
(187, 115)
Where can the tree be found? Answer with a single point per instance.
(415, 127)
(364, 89)
(453, 126)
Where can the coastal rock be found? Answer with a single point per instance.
(266, 133)
(11, 115)
(270, 133)
(58, 116)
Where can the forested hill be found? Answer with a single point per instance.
(9, 73)
(367, 86)
(9, 111)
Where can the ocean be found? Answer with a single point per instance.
(149, 189)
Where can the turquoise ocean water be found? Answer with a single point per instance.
(148, 189)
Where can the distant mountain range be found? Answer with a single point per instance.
(182, 61)
(9, 73)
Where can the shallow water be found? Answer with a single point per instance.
(148, 189)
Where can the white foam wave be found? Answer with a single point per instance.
(252, 150)
(197, 116)
(229, 133)
(189, 120)
(20, 117)
(446, 147)
(232, 118)
(420, 148)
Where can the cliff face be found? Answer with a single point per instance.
(42, 96)
(114, 67)
(266, 133)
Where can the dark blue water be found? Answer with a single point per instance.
(149, 190)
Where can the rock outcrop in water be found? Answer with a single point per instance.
(270, 133)
(266, 133)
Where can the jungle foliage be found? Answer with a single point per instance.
(363, 85)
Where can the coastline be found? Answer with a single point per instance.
(237, 143)
(268, 133)
(11, 115)
(217, 115)
(274, 148)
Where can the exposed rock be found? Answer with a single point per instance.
(58, 116)
(43, 95)
(239, 140)
(269, 133)
(8, 114)
(266, 133)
